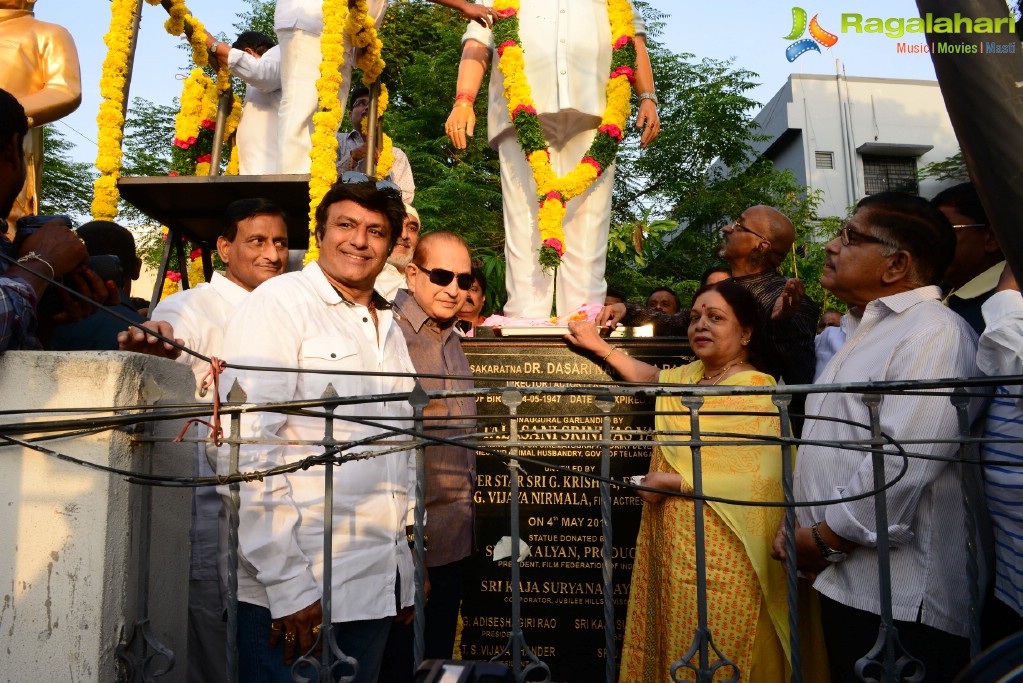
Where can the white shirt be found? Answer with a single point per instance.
(401, 170)
(1000, 352)
(389, 281)
(257, 131)
(826, 345)
(198, 316)
(567, 48)
(298, 320)
(904, 336)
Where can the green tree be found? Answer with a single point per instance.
(66, 184)
(259, 17)
(457, 191)
(951, 168)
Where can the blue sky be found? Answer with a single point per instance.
(752, 33)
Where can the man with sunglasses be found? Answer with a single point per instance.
(886, 264)
(325, 320)
(439, 279)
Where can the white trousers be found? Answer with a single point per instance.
(580, 278)
(300, 67)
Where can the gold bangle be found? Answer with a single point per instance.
(462, 103)
(613, 349)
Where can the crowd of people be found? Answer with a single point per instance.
(747, 325)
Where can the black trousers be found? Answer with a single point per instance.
(849, 634)
(446, 582)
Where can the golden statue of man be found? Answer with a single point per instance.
(40, 68)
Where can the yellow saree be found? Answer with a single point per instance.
(746, 589)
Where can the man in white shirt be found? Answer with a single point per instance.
(298, 24)
(257, 61)
(254, 248)
(325, 318)
(392, 277)
(351, 150)
(885, 264)
(1000, 352)
(567, 50)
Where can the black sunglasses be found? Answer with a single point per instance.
(443, 278)
(356, 177)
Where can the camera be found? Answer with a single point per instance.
(27, 225)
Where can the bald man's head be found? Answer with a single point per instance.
(779, 232)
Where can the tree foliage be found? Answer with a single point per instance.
(259, 17)
(951, 168)
(66, 184)
(455, 190)
(669, 199)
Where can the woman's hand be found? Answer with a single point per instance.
(585, 335)
(461, 124)
(666, 481)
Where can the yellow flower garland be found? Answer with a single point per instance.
(111, 113)
(200, 53)
(110, 119)
(232, 165)
(193, 100)
(323, 166)
(554, 192)
(363, 31)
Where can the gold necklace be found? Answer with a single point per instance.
(722, 370)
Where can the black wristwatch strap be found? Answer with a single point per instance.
(827, 552)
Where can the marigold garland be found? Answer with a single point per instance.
(553, 192)
(323, 156)
(111, 114)
(110, 119)
(233, 164)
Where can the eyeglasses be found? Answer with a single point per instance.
(736, 225)
(443, 278)
(850, 236)
(970, 225)
(356, 177)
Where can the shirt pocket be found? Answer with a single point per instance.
(330, 353)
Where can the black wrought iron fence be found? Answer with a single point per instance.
(887, 661)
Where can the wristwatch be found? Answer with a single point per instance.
(652, 96)
(827, 552)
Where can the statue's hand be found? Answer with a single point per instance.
(461, 124)
(648, 121)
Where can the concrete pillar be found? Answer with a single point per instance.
(72, 585)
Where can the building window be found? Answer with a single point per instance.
(825, 160)
(889, 174)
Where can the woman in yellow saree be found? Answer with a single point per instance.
(746, 590)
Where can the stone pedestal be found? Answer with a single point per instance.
(560, 519)
(75, 577)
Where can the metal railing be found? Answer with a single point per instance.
(887, 661)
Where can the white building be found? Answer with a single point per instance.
(850, 137)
